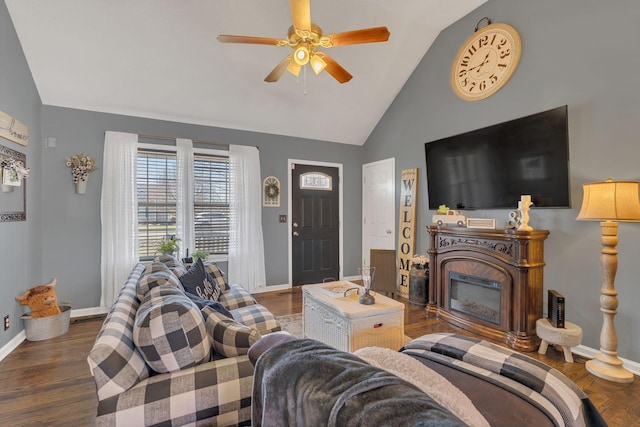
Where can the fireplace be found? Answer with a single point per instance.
(488, 281)
(475, 297)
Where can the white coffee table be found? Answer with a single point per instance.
(347, 325)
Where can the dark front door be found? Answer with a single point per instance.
(314, 224)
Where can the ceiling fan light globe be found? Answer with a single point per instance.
(317, 64)
(301, 55)
(294, 68)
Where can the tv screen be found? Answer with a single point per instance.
(491, 168)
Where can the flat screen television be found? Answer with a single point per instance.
(491, 168)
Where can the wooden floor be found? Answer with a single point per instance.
(47, 383)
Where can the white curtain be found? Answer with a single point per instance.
(185, 229)
(246, 247)
(119, 213)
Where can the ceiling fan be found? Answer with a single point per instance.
(305, 38)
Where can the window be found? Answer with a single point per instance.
(157, 194)
(211, 203)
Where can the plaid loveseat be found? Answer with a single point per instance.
(217, 392)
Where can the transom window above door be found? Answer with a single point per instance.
(315, 181)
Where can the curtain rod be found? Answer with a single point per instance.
(168, 138)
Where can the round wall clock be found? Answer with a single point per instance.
(486, 61)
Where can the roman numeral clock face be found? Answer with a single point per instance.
(486, 61)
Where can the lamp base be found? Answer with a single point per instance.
(367, 298)
(609, 368)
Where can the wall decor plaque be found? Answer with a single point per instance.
(13, 130)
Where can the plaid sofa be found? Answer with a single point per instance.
(213, 393)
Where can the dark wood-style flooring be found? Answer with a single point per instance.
(47, 383)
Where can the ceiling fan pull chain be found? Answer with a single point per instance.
(304, 78)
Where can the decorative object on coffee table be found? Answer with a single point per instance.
(567, 337)
(609, 202)
(367, 275)
(385, 262)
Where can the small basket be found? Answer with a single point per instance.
(42, 328)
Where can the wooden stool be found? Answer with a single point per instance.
(567, 337)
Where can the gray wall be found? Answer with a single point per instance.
(582, 53)
(20, 256)
(71, 224)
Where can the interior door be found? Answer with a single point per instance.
(378, 207)
(315, 224)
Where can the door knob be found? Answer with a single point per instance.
(295, 233)
(295, 224)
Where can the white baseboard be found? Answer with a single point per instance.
(17, 340)
(272, 288)
(91, 311)
(12, 344)
(590, 353)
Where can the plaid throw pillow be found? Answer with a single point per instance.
(230, 338)
(173, 263)
(199, 282)
(169, 331)
(155, 274)
(217, 274)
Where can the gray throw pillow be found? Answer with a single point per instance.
(199, 282)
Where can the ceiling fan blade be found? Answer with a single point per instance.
(335, 69)
(367, 35)
(301, 14)
(275, 74)
(225, 38)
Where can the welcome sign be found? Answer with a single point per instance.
(407, 237)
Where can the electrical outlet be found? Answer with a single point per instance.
(6, 322)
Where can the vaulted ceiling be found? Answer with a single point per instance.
(160, 59)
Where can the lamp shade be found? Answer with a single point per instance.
(611, 200)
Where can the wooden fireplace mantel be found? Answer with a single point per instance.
(513, 258)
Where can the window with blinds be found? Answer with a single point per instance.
(211, 203)
(157, 195)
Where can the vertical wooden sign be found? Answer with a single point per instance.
(407, 236)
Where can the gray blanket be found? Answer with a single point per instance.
(307, 383)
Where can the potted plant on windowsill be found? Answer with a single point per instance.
(168, 246)
(200, 254)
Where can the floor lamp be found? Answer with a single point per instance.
(610, 202)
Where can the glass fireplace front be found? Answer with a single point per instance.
(475, 296)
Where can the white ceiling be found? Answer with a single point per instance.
(160, 59)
